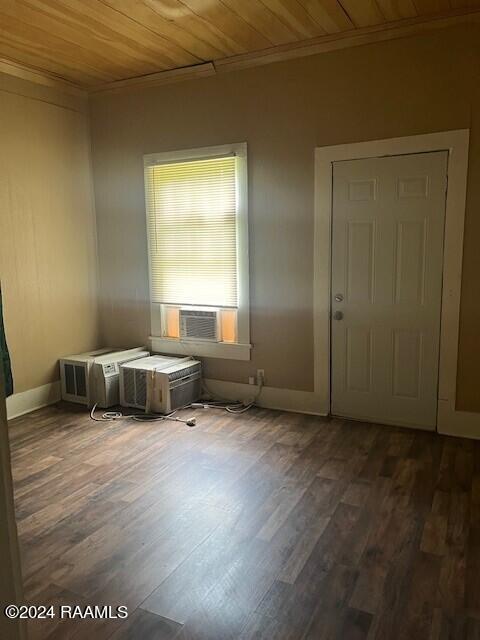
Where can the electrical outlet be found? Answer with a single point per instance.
(260, 376)
(251, 380)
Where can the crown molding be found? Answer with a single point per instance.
(156, 79)
(43, 78)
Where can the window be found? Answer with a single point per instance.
(196, 204)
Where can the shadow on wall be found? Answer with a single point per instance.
(6, 363)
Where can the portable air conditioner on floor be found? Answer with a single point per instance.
(160, 384)
(92, 378)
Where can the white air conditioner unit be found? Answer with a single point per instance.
(199, 324)
(160, 384)
(92, 378)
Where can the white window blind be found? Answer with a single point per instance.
(192, 232)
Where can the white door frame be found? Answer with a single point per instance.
(456, 143)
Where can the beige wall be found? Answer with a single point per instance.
(404, 87)
(47, 229)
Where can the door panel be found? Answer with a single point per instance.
(407, 363)
(409, 276)
(359, 261)
(358, 365)
(387, 259)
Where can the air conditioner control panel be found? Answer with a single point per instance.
(110, 369)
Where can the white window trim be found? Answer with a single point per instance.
(241, 349)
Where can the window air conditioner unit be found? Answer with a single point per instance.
(160, 384)
(199, 324)
(93, 377)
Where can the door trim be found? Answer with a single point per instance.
(456, 143)
(11, 586)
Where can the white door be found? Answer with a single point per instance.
(387, 258)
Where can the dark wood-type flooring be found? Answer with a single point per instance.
(265, 525)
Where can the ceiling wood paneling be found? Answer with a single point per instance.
(329, 14)
(364, 13)
(432, 6)
(294, 14)
(397, 9)
(94, 42)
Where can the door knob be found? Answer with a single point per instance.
(338, 315)
(339, 297)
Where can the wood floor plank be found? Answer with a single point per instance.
(328, 619)
(143, 625)
(224, 611)
(53, 627)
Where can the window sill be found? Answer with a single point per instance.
(201, 348)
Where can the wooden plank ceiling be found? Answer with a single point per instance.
(92, 42)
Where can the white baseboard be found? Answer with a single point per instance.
(462, 424)
(26, 401)
(271, 397)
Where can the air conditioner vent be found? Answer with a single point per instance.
(129, 385)
(140, 388)
(75, 380)
(81, 381)
(70, 379)
(185, 394)
(184, 373)
(198, 313)
(198, 324)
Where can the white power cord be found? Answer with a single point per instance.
(110, 416)
(232, 406)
